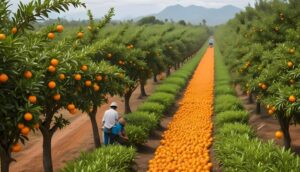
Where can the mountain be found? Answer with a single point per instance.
(195, 14)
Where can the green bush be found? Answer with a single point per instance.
(152, 107)
(164, 98)
(235, 129)
(241, 153)
(181, 74)
(231, 117)
(223, 89)
(147, 121)
(227, 102)
(168, 88)
(136, 134)
(106, 159)
(175, 80)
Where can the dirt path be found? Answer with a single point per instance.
(69, 142)
(265, 125)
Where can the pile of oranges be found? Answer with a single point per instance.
(185, 145)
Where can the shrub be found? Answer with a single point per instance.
(152, 107)
(223, 89)
(147, 121)
(231, 117)
(106, 159)
(136, 134)
(235, 129)
(227, 102)
(163, 98)
(241, 153)
(175, 80)
(168, 88)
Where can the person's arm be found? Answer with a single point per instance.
(123, 136)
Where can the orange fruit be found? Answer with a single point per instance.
(121, 62)
(36, 126)
(278, 134)
(14, 30)
(32, 99)
(270, 112)
(96, 87)
(290, 64)
(292, 99)
(3, 78)
(51, 69)
(77, 77)
(54, 62)
(109, 55)
(57, 97)
(71, 106)
(25, 131)
(51, 84)
(98, 77)
(84, 68)
(59, 28)
(2, 36)
(73, 111)
(80, 35)
(16, 147)
(88, 83)
(264, 86)
(28, 116)
(292, 50)
(27, 74)
(51, 35)
(20, 126)
(61, 76)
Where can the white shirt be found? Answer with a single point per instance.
(110, 118)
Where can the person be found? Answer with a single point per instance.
(110, 119)
(118, 132)
(211, 42)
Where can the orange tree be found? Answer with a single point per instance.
(19, 84)
(267, 58)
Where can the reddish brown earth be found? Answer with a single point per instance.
(70, 141)
(266, 125)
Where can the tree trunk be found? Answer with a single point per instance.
(258, 108)
(168, 72)
(250, 99)
(285, 126)
(47, 156)
(5, 160)
(92, 116)
(127, 98)
(154, 77)
(142, 87)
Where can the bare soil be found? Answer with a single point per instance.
(68, 143)
(266, 125)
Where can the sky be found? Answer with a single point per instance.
(126, 9)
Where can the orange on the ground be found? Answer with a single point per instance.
(185, 145)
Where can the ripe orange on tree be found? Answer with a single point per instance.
(71, 107)
(292, 99)
(3, 78)
(80, 35)
(27, 74)
(109, 55)
(96, 87)
(32, 99)
(278, 134)
(57, 97)
(59, 28)
(2, 36)
(51, 84)
(36, 126)
(98, 77)
(264, 86)
(16, 147)
(61, 76)
(21, 126)
(14, 30)
(77, 77)
(28, 116)
(54, 62)
(292, 50)
(25, 131)
(84, 68)
(51, 35)
(51, 69)
(88, 83)
(290, 64)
